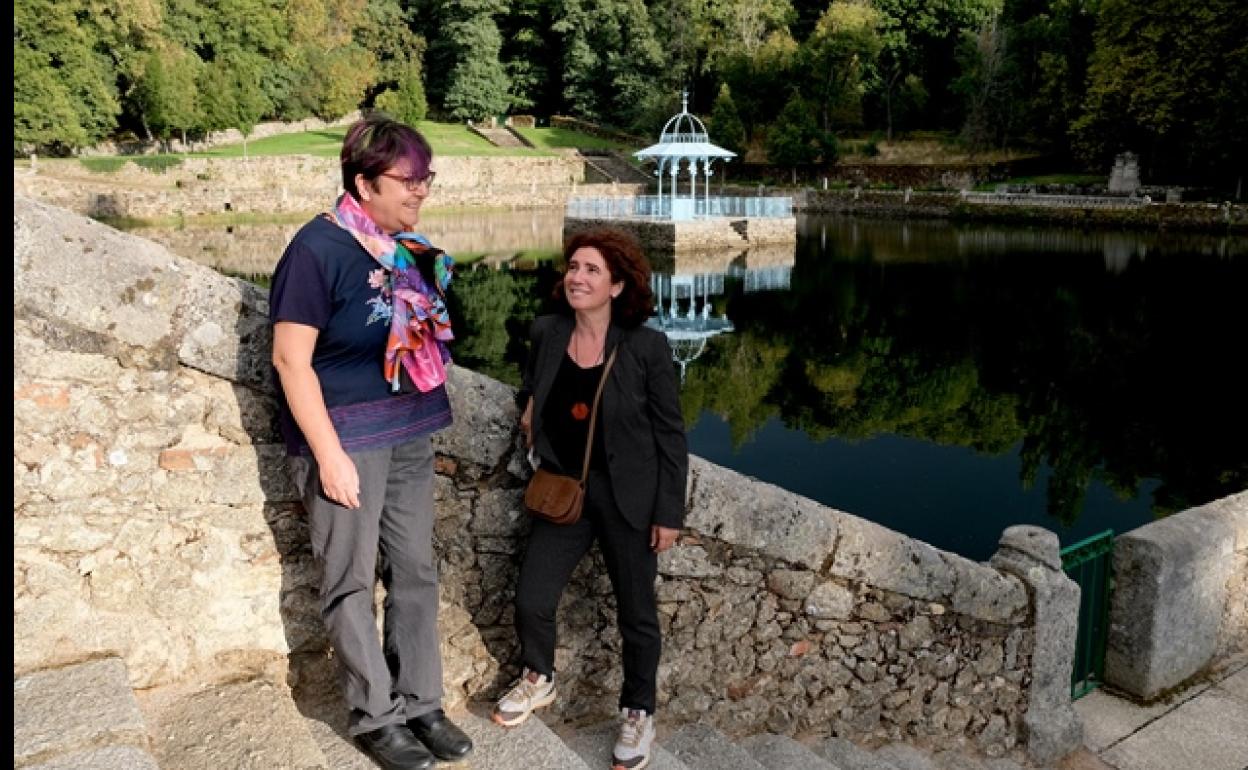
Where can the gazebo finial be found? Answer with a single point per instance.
(684, 100)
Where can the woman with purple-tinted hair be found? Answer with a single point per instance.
(360, 328)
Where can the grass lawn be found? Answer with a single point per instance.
(555, 138)
(446, 139)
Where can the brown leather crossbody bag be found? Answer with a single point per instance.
(558, 498)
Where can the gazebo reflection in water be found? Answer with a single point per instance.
(691, 300)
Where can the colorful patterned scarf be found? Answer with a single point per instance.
(420, 326)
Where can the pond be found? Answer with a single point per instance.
(943, 380)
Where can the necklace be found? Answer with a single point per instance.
(576, 352)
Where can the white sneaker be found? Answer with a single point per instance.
(531, 692)
(633, 747)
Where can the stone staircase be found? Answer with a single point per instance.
(500, 136)
(612, 167)
(85, 717)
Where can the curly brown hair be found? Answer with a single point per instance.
(622, 253)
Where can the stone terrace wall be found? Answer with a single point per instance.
(289, 184)
(153, 520)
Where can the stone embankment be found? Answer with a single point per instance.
(923, 204)
(296, 184)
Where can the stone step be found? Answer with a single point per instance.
(778, 752)
(594, 744)
(953, 760)
(903, 756)
(848, 755)
(531, 745)
(702, 747)
(85, 715)
(245, 725)
(107, 758)
(500, 137)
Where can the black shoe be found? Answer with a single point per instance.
(395, 748)
(440, 735)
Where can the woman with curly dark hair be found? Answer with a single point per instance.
(635, 489)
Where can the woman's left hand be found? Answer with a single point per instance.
(662, 538)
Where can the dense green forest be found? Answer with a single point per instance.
(1076, 79)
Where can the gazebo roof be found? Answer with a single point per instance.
(684, 150)
(684, 136)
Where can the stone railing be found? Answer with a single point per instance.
(1180, 599)
(153, 521)
(1055, 201)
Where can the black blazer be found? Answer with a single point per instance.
(642, 427)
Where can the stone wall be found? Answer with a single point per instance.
(153, 521)
(1178, 599)
(288, 184)
(916, 204)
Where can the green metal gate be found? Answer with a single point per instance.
(1088, 564)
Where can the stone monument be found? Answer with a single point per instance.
(1125, 177)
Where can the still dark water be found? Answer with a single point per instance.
(948, 381)
(951, 381)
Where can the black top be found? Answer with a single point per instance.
(566, 417)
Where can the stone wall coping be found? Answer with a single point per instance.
(1221, 525)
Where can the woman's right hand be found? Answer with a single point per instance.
(526, 424)
(340, 480)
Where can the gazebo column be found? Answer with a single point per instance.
(706, 171)
(675, 185)
(659, 173)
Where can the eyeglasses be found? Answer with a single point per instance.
(413, 183)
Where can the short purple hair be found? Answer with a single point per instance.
(378, 143)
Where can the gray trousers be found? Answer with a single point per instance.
(394, 527)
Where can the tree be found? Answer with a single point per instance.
(529, 55)
(168, 94)
(407, 101)
(793, 140)
(65, 88)
(983, 87)
(919, 38)
(760, 83)
(1167, 80)
(1047, 47)
(44, 113)
(726, 127)
(844, 43)
(613, 68)
(232, 96)
(478, 86)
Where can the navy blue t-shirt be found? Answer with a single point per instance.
(326, 280)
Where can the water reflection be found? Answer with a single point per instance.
(934, 240)
(253, 249)
(691, 292)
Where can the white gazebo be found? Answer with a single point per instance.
(684, 138)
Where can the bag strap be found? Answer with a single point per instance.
(593, 415)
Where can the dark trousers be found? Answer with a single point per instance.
(553, 553)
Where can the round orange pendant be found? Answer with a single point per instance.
(580, 411)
